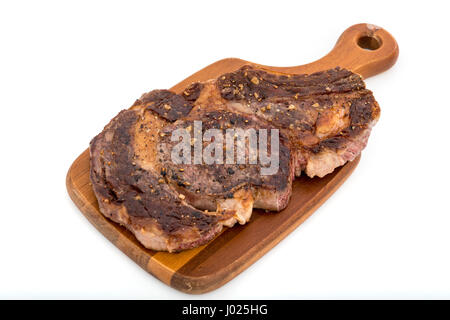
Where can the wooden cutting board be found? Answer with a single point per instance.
(365, 49)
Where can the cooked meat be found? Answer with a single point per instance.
(131, 190)
(322, 120)
(328, 115)
(208, 186)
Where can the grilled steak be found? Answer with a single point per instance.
(322, 120)
(212, 186)
(327, 115)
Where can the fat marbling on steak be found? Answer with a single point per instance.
(323, 119)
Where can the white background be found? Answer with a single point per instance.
(67, 67)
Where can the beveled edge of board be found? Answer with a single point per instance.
(146, 259)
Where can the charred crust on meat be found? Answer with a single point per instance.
(192, 92)
(167, 104)
(251, 84)
(122, 183)
(364, 109)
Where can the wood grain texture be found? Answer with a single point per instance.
(362, 48)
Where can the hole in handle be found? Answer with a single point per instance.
(369, 43)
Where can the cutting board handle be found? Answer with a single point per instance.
(363, 48)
